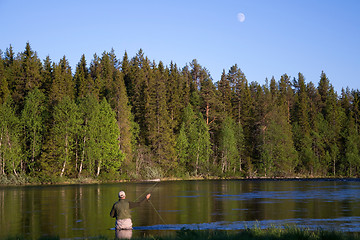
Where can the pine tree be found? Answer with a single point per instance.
(120, 103)
(334, 116)
(175, 94)
(285, 94)
(138, 91)
(186, 85)
(225, 93)
(242, 104)
(323, 89)
(160, 133)
(301, 127)
(238, 85)
(355, 108)
(209, 98)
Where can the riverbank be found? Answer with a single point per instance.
(27, 181)
(286, 233)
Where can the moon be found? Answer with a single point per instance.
(241, 17)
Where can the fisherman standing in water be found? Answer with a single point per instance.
(121, 211)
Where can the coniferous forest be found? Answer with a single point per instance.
(133, 118)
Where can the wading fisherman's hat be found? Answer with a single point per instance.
(122, 194)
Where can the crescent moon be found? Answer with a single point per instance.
(241, 17)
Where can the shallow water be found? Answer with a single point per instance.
(78, 211)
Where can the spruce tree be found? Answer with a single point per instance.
(62, 85)
(84, 84)
(301, 127)
(4, 87)
(12, 74)
(29, 76)
(160, 134)
(47, 75)
(175, 94)
(120, 104)
(138, 92)
(334, 115)
(225, 92)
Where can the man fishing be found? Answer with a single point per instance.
(121, 211)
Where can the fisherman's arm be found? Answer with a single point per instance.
(136, 204)
(112, 212)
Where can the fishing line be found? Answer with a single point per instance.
(146, 191)
(157, 212)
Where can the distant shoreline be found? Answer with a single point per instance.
(97, 181)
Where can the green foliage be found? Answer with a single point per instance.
(32, 121)
(10, 147)
(138, 119)
(279, 155)
(108, 153)
(159, 132)
(193, 145)
(62, 83)
(228, 146)
(182, 145)
(65, 127)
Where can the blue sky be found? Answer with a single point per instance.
(277, 36)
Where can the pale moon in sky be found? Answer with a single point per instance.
(241, 17)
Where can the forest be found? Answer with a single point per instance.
(133, 118)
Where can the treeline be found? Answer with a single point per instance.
(134, 118)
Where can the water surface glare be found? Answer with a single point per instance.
(79, 211)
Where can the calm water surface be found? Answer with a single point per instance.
(78, 211)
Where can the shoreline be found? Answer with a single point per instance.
(168, 179)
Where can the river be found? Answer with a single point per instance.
(78, 211)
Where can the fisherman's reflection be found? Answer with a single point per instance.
(123, 234)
